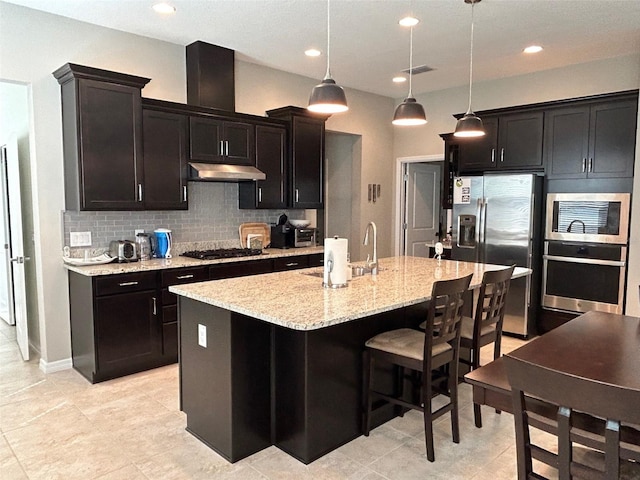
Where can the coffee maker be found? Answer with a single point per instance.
(282, 236)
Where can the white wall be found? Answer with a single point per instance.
(34, 44)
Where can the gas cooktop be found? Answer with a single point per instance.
(222, 253)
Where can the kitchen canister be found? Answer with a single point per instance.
(335, 262)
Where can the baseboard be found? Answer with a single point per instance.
(57, 366)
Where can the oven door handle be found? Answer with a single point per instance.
(590, 261)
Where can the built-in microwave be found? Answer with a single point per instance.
(588, 217)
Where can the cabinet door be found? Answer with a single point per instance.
(307, 163)
(165, 161)
(128, 333)
(238, 143)
(612, 140)
(479, 154)
(205, 137)
(270, 159)
(110, 146)
(520, 141)
(566, 142)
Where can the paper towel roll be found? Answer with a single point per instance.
(335, 262)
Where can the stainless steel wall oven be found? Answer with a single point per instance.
(585, 252)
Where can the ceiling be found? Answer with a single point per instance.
(368, 47)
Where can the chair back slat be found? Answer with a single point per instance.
(608, 405)
(492, 300)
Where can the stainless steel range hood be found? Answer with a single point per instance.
(224, 173)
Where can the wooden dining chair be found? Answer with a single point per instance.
(431, 356)
(576, 402)
(485, 327)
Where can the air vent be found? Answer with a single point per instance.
(419, 69)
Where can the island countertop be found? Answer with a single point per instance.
(297, 299)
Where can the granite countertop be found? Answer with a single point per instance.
(297, 300)
(180, 262)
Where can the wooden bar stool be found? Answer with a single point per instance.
(433, 354)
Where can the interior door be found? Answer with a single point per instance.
(422, 207)
(14, 243)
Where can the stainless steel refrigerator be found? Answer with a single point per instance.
(497, 219)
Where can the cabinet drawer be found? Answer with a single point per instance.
(240, 269)
(183, 275)
(316, 260)
(290, 263)
(125, 283)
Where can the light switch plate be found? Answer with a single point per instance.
(80, 239)
(202, 335)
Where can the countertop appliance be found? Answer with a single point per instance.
(164, 241)
(123, 250)
(143, 244)
(222, 253)
(282, 236)
(497, 218)
(304, 237)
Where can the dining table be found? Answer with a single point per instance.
(598, 346)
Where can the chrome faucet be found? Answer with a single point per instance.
(373, 264)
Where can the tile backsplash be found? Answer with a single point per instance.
(213, 215)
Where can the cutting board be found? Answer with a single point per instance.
(256, 229)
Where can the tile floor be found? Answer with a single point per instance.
(59, 426)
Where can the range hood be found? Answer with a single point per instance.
(225, 172)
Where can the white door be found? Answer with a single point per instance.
(14, 244)
(422, 207)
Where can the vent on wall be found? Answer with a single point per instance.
(418, 70)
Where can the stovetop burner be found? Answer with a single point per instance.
(222, 253)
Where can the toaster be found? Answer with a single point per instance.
(123, 250)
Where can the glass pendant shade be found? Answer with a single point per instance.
(409, 112)
(328, 97)
(470, 125)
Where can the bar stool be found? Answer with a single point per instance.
(486, 326)
(432, 355)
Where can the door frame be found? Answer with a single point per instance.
(399, 198)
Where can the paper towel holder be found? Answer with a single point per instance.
(329, 264)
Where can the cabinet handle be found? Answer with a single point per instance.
(297, 195)
(584, 165)
(184, 193)
(221, 147)
(259, 194)
(155, 311)
(139, 192)
(184, 277)
(127, 284)
(493, 155)
(501, 155)
(292, 264)
(590, 165)
(226, 150)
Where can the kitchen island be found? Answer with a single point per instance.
(275, 359)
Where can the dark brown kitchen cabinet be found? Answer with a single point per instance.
(290, 263)
(592, 140)
(115, 324)
(316, 260)
(306, 156)
(512, 142)
(240, 269)
(271, 158)
(102, 138)
(221, 141)
(165, 161)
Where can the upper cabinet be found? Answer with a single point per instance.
(102, 136)
(595, 140)
(165, 160)
(215, 140)
(512, 142)
(306, 156)
(271, 158)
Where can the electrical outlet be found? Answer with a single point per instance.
(202, 335)
(80, 239)
(137, 231)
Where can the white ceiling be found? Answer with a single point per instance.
(368, 47)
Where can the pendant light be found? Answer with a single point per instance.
(470, 125)
(328, 97)
(410, 112)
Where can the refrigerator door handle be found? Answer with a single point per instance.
(483, 232)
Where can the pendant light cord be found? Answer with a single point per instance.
(328, 74)
(410, 60)
(473, 3)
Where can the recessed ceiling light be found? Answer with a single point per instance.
(533, 49)
(312, 52)
(409, 21)
(164, 8)
(399, 79)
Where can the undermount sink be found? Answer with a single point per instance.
(356, 271)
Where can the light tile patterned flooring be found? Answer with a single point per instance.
(59, 426)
